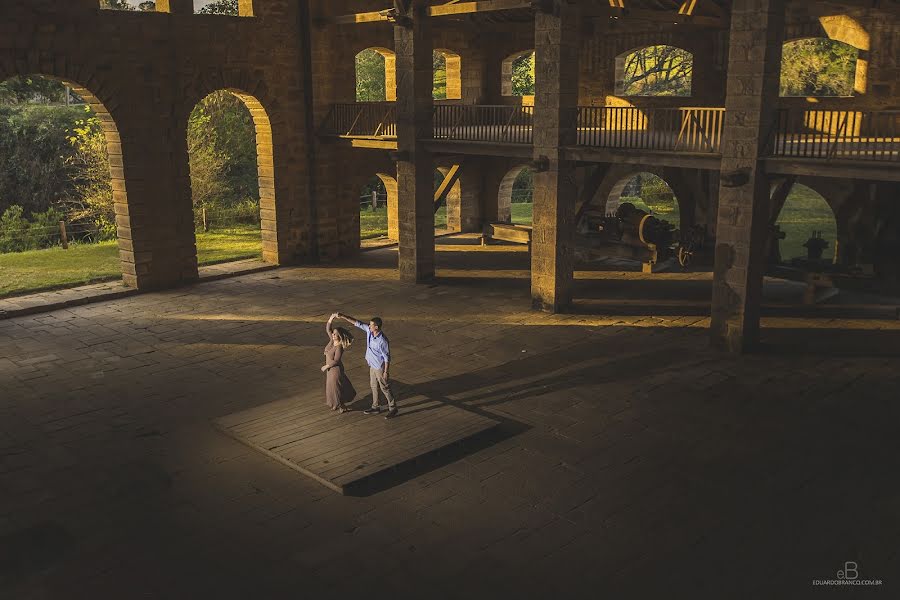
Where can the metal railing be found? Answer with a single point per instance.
(683, 129)
(837, 134)
(362, 119)
(484, 123)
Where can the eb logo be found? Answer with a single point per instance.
(850, 571)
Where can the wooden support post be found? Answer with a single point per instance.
(63, 238)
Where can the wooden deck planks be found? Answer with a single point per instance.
(342, 450)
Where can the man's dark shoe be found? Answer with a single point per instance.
(372, 411)
(391, 414)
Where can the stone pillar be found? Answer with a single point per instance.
(415, 170)
(555, 188)
(754, 65)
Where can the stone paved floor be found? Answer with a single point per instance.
(634, 462)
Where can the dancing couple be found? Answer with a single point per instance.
(339, 392)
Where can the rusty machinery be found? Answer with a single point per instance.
(635, 233)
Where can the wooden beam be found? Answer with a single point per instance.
(687, 7)
(461, 8)
(455, 7)
(447, 184)
(659, 16)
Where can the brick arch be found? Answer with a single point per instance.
(454, 200)
(454, 73)
(115, 154)
(390, 70)
(610, 191)
(390, 186)
(622, 57)
(838, 28)
(504, 194)
(506, 71)
(265, 161)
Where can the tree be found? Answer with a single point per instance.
(370, 76)
(117, 4)
(92, 197)
(439, 68)
(31, 90)
(523, 75)
(818, 67)
(658, 71)
(222, 151)
(220, 7)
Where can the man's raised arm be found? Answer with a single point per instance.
(353, 321)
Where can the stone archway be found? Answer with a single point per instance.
(390, 187)
(134, 256)
(390, 73)
(265, 165)
(453, 69)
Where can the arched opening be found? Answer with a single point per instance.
(136, 5)
(232, 178)
(447, 75)
(517, 72)
(234, 8)
(805, 218)
(378, 209)
(515, 198)
(376, 75)
(64, 216)
(646, 192)
(447, 213)
(820, 67)
(654, 71)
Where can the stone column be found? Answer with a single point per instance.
(415, 170)
(555, 188)
(754, 65)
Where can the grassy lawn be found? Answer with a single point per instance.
(23, 272)
(804, 212)
(374, 224)
(521, 212)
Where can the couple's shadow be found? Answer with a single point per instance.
(412, 401)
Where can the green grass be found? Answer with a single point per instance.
(35, 270)
(803, 212)
(521, 212)
(374, 224)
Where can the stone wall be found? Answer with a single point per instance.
(144, 73)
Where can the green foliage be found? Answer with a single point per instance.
(17, 233)
(653, 195)
(523, 187)
(34, 155)
(222, 150)
(658, 71)
(35, 270)
(523, 75)
(370, 76)
(439, 66)
(818, 67)
(91, 202)
(220, 7)
(132, 5)
(31, 90)
(805, 211)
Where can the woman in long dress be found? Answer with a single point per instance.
(338, 390)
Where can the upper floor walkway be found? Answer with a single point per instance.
(863, 144)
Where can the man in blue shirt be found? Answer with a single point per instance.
(378, 355)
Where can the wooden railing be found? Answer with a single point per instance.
(686, 129)
(362, 119)
(484, 123)
(837, 134)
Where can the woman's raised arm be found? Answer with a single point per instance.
(328, 325)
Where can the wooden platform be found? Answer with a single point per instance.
(342, 450)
